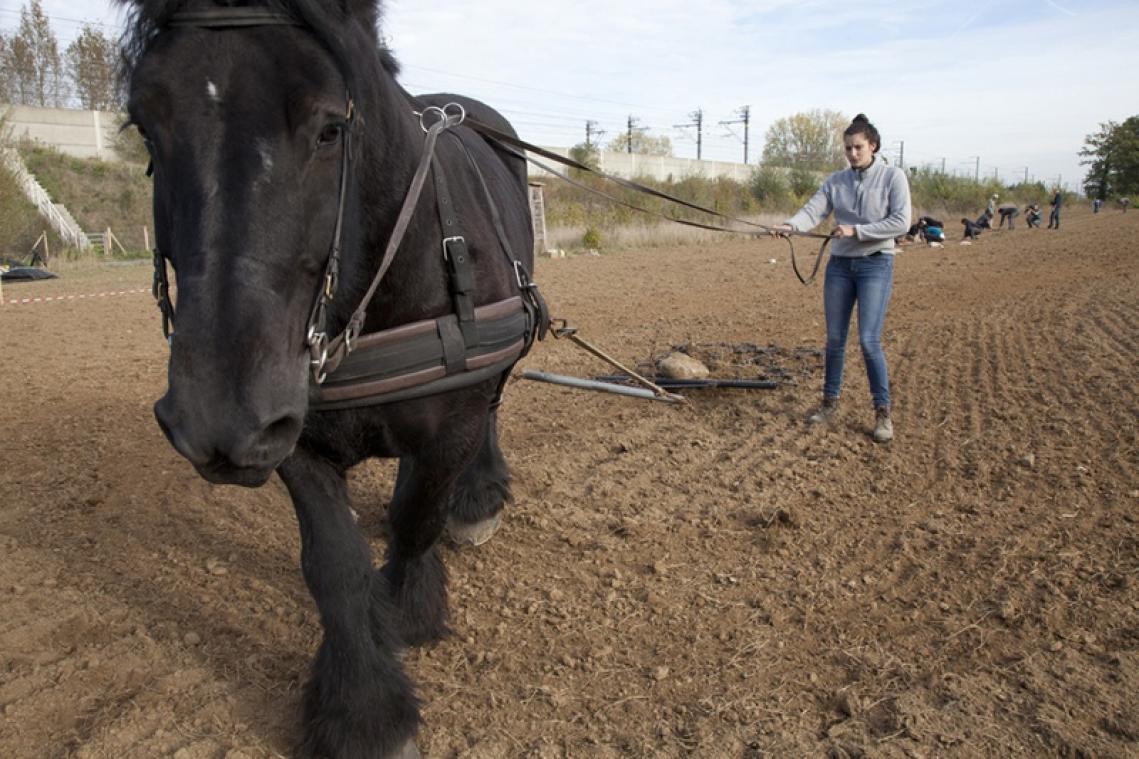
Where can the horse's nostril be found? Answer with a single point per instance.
(285, 428)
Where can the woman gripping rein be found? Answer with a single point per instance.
(871, 204)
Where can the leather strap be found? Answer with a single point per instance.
(457, 257)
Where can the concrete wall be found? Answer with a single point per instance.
(91, 134)
(83, 134)
(630, 165)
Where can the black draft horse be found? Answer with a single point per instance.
(273, 128)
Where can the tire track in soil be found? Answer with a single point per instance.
(1113, 378)
(925, 393)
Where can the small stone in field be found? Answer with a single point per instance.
(1057, 646)
(660, 673)
(192, 639)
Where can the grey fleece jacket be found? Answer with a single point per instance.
(875, 201)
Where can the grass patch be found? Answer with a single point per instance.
(98, 194)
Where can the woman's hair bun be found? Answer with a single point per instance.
(860, 119)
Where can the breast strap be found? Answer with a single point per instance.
(428, 357)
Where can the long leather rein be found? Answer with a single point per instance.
(522, 148)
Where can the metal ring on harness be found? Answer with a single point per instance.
(443, 115)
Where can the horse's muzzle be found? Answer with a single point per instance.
(234, 454)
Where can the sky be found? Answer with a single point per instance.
(1006, 87)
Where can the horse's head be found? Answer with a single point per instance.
(246, 123)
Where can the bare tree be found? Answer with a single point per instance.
(811, 140)
(91, 61)
(31, 61)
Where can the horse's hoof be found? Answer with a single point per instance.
(475, 533)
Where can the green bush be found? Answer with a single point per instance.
(99, 194)
(591, 239)
(769, 186)
(803, 183)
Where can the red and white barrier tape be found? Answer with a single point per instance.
(86, 296)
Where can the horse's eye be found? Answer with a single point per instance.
(330, 135)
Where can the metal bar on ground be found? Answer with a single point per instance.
(566, 331)
(605, 387)
(709, 382)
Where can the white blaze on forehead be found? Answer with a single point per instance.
(212, 91)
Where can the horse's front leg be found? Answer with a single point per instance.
(418, 514)
(359, 702)
(481, 491)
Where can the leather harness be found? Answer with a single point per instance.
(470, 345)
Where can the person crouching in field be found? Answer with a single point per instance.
(972, 230)
(1008, 213)
(1124, 204)
(928, 230)
(1032, 215)
(871, 204)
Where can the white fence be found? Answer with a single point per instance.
(57, 216)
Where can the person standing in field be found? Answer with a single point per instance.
(1054, 217)
(871, 205)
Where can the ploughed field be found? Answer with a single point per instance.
(714, 581)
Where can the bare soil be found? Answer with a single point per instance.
(712, 581)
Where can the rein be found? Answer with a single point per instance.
(520, 148)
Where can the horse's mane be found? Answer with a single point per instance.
(326, 18)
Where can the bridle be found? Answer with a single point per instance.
(325, 352)
(473, 358)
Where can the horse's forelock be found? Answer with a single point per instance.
(325, 17)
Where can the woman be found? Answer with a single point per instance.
(871, 204)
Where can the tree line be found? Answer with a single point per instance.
(1112, 158)
(33, 71)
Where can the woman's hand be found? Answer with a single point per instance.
(781, 230)
(843, 230)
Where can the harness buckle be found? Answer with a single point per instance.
(457, 239)
(318, 350)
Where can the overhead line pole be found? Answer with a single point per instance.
(745, 118)
(591, 130)
(631, 127)
(698, 122)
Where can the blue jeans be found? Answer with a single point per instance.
(867, 281)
